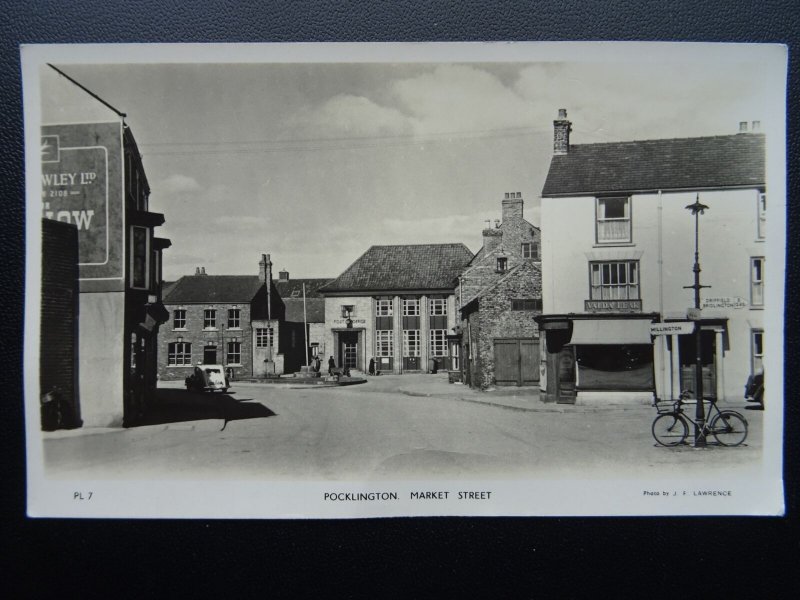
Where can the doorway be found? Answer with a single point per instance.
(210, 354)
(348, 350)
(516, 361)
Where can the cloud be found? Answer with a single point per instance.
(355, 116)
(178, 184)
(461, 98)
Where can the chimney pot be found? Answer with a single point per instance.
(202, 270)
(742, 126)
(197, 271)
(756, 126)
(562, 113)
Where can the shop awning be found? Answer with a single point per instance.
(610, 331)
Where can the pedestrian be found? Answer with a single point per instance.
(372, 366)
(331, 365)
(317, 363)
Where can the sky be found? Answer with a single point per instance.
(313, 163)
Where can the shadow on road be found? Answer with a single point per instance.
(174, 406)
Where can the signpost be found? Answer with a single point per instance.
(676, 328)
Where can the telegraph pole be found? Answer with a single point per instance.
(698, 209)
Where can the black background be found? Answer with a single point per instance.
(443, 557)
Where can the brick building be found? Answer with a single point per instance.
(58, 366)
(396, 304)
(229, 320)
(499, 293)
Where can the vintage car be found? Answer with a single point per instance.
(207, 377)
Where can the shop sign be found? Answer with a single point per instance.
(599, 306)
(676, 328)
(724, 302)
(82, 184)
(344, 322)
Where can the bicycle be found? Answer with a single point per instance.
(670, 427)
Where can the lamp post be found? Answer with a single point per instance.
(697, 209)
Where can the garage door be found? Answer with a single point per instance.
(516, 361)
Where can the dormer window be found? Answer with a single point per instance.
(502, 264)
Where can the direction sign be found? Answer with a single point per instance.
(675, 328)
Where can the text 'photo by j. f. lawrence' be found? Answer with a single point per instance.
(366, 280)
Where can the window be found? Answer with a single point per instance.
(502, 264)
(383, 308)
(438, 342)
(530, 250)
(614, 280)
(411, 342)
(762, 216)
(139, 257)
(757, 281)
(179, 318)
(526, 304)
(411, 308)
(757, 349)
(233, 318)
(209, 318)
(384, 343)
(347, 311)
(234, 354)
(263, 337)
(613, 220)
(179, 354)
(438, 306)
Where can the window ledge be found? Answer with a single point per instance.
(179, 329)
(210, 329)
(179, 366)
(234, 365)
(613, 244)
(234, 329)
(757, 307)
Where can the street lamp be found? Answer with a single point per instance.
(697, 209)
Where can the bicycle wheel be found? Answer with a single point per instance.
(670, 429)
(729, 427)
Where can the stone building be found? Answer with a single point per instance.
(229, 320)
(618, 249)
(499, 293)
(396, 304)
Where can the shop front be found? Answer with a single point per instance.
(592, 358)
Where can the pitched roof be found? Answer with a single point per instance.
(650, 165)
(405, 267)
(214, 288)
(314, 310)
(293, 288)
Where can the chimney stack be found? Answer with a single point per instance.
(512, 206)
(561, 130)
(197, 271)
(202, 270)
(756, 126)
(742, 126)
(283, 275)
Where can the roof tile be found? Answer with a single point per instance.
(684, 163)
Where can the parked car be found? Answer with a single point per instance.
(754, 389)
(207, 377)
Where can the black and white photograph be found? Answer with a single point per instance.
(375, 280)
